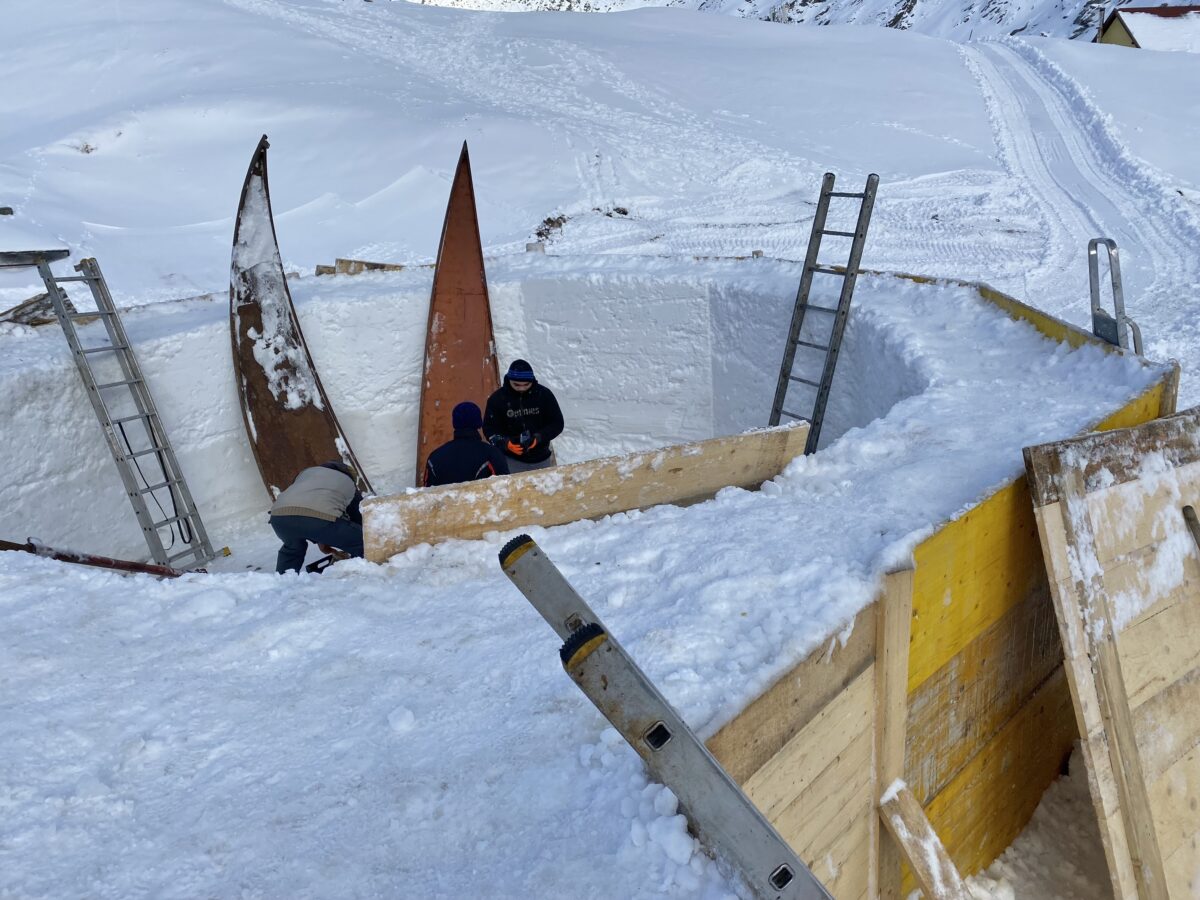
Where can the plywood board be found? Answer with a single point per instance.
(679, 474)
(1125, 575)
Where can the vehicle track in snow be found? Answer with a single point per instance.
(1056, 141)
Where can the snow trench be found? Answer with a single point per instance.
(641, 353)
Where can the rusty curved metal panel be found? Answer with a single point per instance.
(289, 420)
(460, 350)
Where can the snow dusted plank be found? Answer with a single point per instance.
(762, 729)
(935, 871)
(1125, 572)
(679, 474)
(893, 633)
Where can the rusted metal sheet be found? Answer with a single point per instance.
(289, 420)
(460, 351)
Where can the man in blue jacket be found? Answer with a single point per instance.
(466, 456)
(522, 419)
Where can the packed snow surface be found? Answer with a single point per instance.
(406, 729)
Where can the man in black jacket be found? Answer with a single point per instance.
(522, 419)
(467, 456)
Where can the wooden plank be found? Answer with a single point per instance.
(1167, 726)
(843, 866)
(993, 797)
(957, 711)
(931, 865)
(679, 474)
(1115, 528)
(762, 729)
(814, 748)
(1141, 514)
(1163, 645)
(1175, 796)
(814, 818)
(893, 630)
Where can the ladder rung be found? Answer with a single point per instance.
(847, 194)
(110, 384)
(154, 487)
(848, 234)
(170, 521)
(804, 380)
(811, 344)
(112, 348)
(191, 551)
(828, 270)
(58, 280)
(792, 415)
(825, 309)
(88, 315)
(143, 452)
(125, 419)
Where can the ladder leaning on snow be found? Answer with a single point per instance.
(127, 414)
(827, 344)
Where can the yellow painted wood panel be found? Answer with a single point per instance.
(960, 708)
(814, 748)
(969, 574)
(985, 807)
(567, 493)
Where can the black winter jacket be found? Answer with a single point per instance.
(465, 458)
(536, 411)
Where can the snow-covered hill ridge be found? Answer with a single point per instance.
(963, 20)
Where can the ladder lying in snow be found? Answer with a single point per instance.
(822, 345)
(135, 434)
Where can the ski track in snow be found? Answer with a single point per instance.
(1059, 144)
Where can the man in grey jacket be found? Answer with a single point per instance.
(321, 506)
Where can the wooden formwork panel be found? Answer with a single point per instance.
(1125, 573)
(681, 473)
(818, 791)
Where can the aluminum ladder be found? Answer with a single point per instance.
(822, 346)
(121, 398)
(1114, 329)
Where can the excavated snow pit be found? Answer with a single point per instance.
(640, 352)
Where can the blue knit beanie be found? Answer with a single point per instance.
(467, 415)
(520, 371)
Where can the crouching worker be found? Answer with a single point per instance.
(467, 456)
(320, 506)
(522, 419)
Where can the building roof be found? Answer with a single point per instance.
(1160, 27)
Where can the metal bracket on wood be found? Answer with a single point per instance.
(1115, 328)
